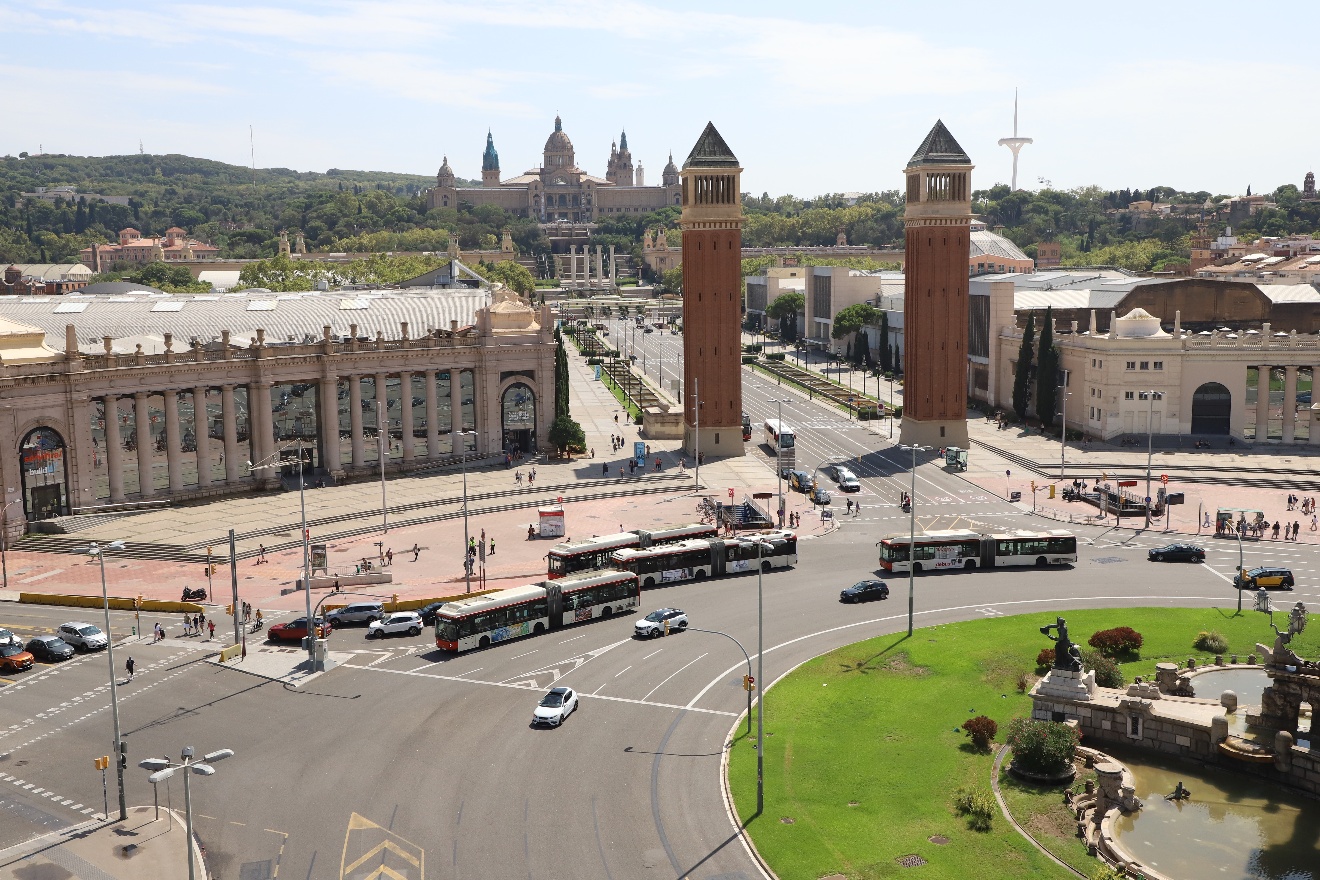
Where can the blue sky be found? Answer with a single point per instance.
(813, 98)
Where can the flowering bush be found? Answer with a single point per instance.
(1045, 659)
(982, 730)
(1117, 642)
(1045, 747)
(1107, 673)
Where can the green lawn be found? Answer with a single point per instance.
(863, 755)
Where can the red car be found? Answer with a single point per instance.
(296, 630)
(14, 659)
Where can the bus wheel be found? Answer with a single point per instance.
(765, 566)
(916, 566)
(538, 628)
(1040, 562)
(699, 575)
(484, 643)
(606, 611)
(650, 582)
(969, 564)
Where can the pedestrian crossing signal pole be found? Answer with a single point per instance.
(103, 763)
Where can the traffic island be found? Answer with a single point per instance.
(867, 762)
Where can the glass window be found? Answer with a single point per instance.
(1145, 365)
(444, 411)
(1159, 365)
(418, 395)
(370, 421)
(294, 413)
(215, 432)
(127, 424)
(1131, 365)
(468, 402)
(344, 420)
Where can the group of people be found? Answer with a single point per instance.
(531, 477)
(470, 557)
(193, 625)
(1305, 505)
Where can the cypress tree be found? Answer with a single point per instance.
(1022, 374)
(1047, 371)
(886, 361)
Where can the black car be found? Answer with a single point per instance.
(51, 649)
(865, 591)
(428, 612)
(1177, 553)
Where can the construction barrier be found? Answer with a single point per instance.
(231, 652)
(118, 603)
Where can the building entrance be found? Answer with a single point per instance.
(518, 417)
(1212, 405)
(43, 467)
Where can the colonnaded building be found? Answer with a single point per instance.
(148, 396)
(559, 190)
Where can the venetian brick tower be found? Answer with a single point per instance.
(938, 228)
(712, 298)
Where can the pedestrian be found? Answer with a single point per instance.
(201, 619)
(658, 466)
(604, 468)
(492, 547)
(1276, 531)
(531, 477)
(849, 505)
(593, 452)
(616, 418)
(389, 556)
(160, 631)
(187, 624)
(210, 624)
(417, 551)
(130, 666)
(1297, 527)
(517, 477)
(261, 554)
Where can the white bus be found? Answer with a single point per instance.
(781, 442)
(714, 557)
(594, 553)
(963, 548)
(481, 621)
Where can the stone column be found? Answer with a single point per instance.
(114, 446)
(328, 398)
(173, 448)
(614, 270)
(382, 416)
(1289, 404)
(355, 421)
(145, 447)
(1262, 402)
(406, 414)
(229, 416)
(200, 431)
(432, 417)
(600, 269)
(263, 433)
(457, 444)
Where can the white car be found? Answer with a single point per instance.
(7, 637)
(409, 622)
(554, 707)
(660, 623)
(82, 635)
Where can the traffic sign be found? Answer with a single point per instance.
(1148, 499)
(730, 493)
(1164, 478)
(1008, 473)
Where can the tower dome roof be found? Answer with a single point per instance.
(558, 142)
(445, 177)
(490, 160)
(670, 166)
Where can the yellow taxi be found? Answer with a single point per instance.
(1265, 577)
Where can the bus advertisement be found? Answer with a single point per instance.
(963, 548)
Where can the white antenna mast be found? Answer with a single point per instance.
(1015, 143)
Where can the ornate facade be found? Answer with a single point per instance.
(559, 190)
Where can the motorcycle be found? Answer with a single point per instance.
(257, 625)
(196, 595)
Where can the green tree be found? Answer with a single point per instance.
(861, 349)
(672, 279)
(886, 355)
(171, 279)
(512, 275)
(852, 319)
(1022, 373)
(784, 309)
(566, 435)
(1047, 371)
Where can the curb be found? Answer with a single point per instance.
(1003, 808)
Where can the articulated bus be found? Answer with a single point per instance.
(480, 621)
(963, 548)
(782, 445)
(693, 560)
(594, 553)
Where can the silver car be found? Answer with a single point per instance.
(82, 635)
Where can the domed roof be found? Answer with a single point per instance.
(1138, 323)
(558, 142)
(445, 176)
(670, 166)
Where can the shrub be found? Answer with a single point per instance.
(1107, 872)
(1107, 673)
(593, 361)
(752, 349)
(1044, 747)
(749, 359)
(1045, 659)
(1212, 642)
(982, 730)
(977, 805)
(1023, 682)
(1117, 642)
(775, 356)
(898, 412)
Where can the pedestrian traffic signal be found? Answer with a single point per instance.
(229, 609)
(102, 762)
(123, 755)
(1033, 486)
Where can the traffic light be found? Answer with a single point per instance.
(1033, 487)
(749, 683)
(229, 610)
(102, 762)
(123, 755)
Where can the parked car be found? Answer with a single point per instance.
(14, 659)
(82, 635)
(865, 591)
(399, 622)
(427, 612)
(296, 630)
(660, 623)
(358, 612)
(1264, 577)
(50, 649)
(1177, 553)
(554, 707)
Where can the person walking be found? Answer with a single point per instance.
(1297, 527)
(417, 551)
(1315, 522)
(492, 547)
(210, 624)
(1276, 531)
(130, 666)
(261, 554)
(187, 624)
(159, 631)
(389, 556)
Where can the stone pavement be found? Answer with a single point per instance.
(141, 847)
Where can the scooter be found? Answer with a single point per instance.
(193, 595)
(257, 625)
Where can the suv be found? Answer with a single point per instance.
(409, 622)
(82, 635)
(359, 612)
(1264, 577)
(660, 623)
(834, 471)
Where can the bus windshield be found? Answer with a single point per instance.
(446, 629)
(786, 440)
(556, 564)
(893, 553)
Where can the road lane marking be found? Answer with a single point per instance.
(574, 639)
(652, 654)
(666, 681)
(529, 653)
(623, 670)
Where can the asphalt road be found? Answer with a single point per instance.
(427, 763)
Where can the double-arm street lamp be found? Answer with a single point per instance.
(98, 552)
(1150, 396)
(912, 532)
(271, 463)
(162, 770)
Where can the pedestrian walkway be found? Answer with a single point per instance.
(142, 848)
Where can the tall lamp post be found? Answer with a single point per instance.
(275, 462)
(779, 461)
(760, 677)
(98, 552)
(912, 533)
(891, 404)
(1063, 413)
(383, 452)
(4, 539)
(1150, 429)
(467, 537)
(162, 770)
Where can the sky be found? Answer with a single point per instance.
(812, 99)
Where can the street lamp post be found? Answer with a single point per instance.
(383, 448)
(467, 537)
(1063, 413)
(4, 540)
(891, 404)
(1239, 571)
(760, 678)
(912, 533)
(779, 461)
(274, 462)
(98, 552)
(162, 770)
(1150, 429)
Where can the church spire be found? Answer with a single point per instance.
(623, 142)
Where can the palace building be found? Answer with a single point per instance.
(558, 190)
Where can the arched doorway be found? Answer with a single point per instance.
(1212, 406)
(43, 466)
(518, 417)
